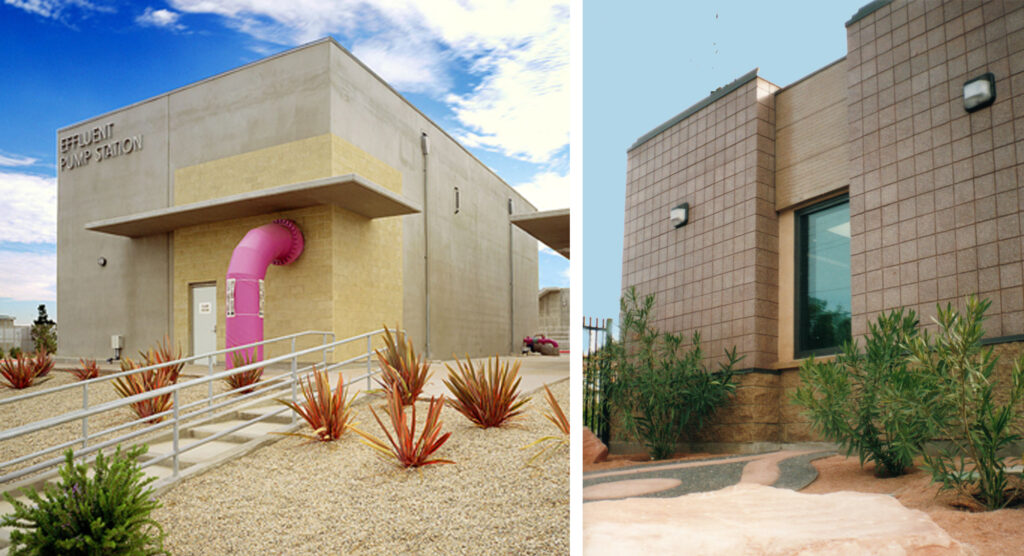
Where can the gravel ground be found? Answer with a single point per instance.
(42, 407)
(296, 496)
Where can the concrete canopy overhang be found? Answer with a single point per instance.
(350, 192)
(550, 227)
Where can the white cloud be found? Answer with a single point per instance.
(404, 66)
(28, 276)
(546, 191)
(55, 8)
(519, 49)
(160, 18)
(16, 160)
(28, 208)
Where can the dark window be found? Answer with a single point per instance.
(823, 277)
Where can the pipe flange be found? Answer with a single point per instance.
(298, 242)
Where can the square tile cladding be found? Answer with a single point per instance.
(935, 208)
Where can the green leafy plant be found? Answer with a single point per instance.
(87, 369)
(977, 430)
(245, 379)
(402, 370)
(328, 413)
(19, 372)
(44, 332)
(557, 418)
(105, 510)
(661, 390)
(486, 396)
(14, 352)
(865, 401)
(404, 447)
(43, 362)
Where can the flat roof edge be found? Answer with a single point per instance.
(809, 75)
(710, 99)
(868, 9)
(327, 39)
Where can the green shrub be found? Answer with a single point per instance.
(864, 401)
(107, 513)
(14, 353)
(661, 390)
(976, 430)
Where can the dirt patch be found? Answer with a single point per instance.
(997, 532)
(615, 461)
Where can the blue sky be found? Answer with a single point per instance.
(645, 64)
(493, 73)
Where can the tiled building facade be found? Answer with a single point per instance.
(863, 187)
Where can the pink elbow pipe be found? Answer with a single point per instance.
(278, 243)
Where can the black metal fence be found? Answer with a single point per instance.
(596, 372)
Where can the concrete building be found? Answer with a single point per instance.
(553, 315)
(863, 187)
(402, 225)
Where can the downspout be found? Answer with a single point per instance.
(425, 147)
(279, 243)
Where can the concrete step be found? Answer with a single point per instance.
(255, 430)
(203, 454)
(284, 418)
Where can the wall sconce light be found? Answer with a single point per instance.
(980, 92)
(102, 261)
(679, 215)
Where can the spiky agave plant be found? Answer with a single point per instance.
(146, 381)
(558, 418)
(402, 369)
(486, 396)
(328, 413)
(87, 369)
(43, 362)
(19, 372)
(404, 447)
(244, 379)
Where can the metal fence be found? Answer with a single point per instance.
(206, 410)
(597, 333)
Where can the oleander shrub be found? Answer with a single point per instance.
(105, 510)
(866, 400)
(402, 370)
(244, 381)
(661, 390)
(404, 447)
(86, 369)
(489, 395)
(328, 413)
(19, 372)
(561, 422)
(974, 429)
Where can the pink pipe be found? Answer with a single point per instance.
(279, 243)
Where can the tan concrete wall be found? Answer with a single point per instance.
(553, 314)
(811, 137)
(481, 277)
(719, 273)
(299, 296)
(935, 197)
(349, 277)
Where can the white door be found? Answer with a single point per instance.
(204, 320)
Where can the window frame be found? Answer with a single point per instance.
(798, 291)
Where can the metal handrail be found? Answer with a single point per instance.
(113, 376)
(177, 417)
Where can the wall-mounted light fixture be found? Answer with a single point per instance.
(980, 92)
(679, 215)
(102, 261)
